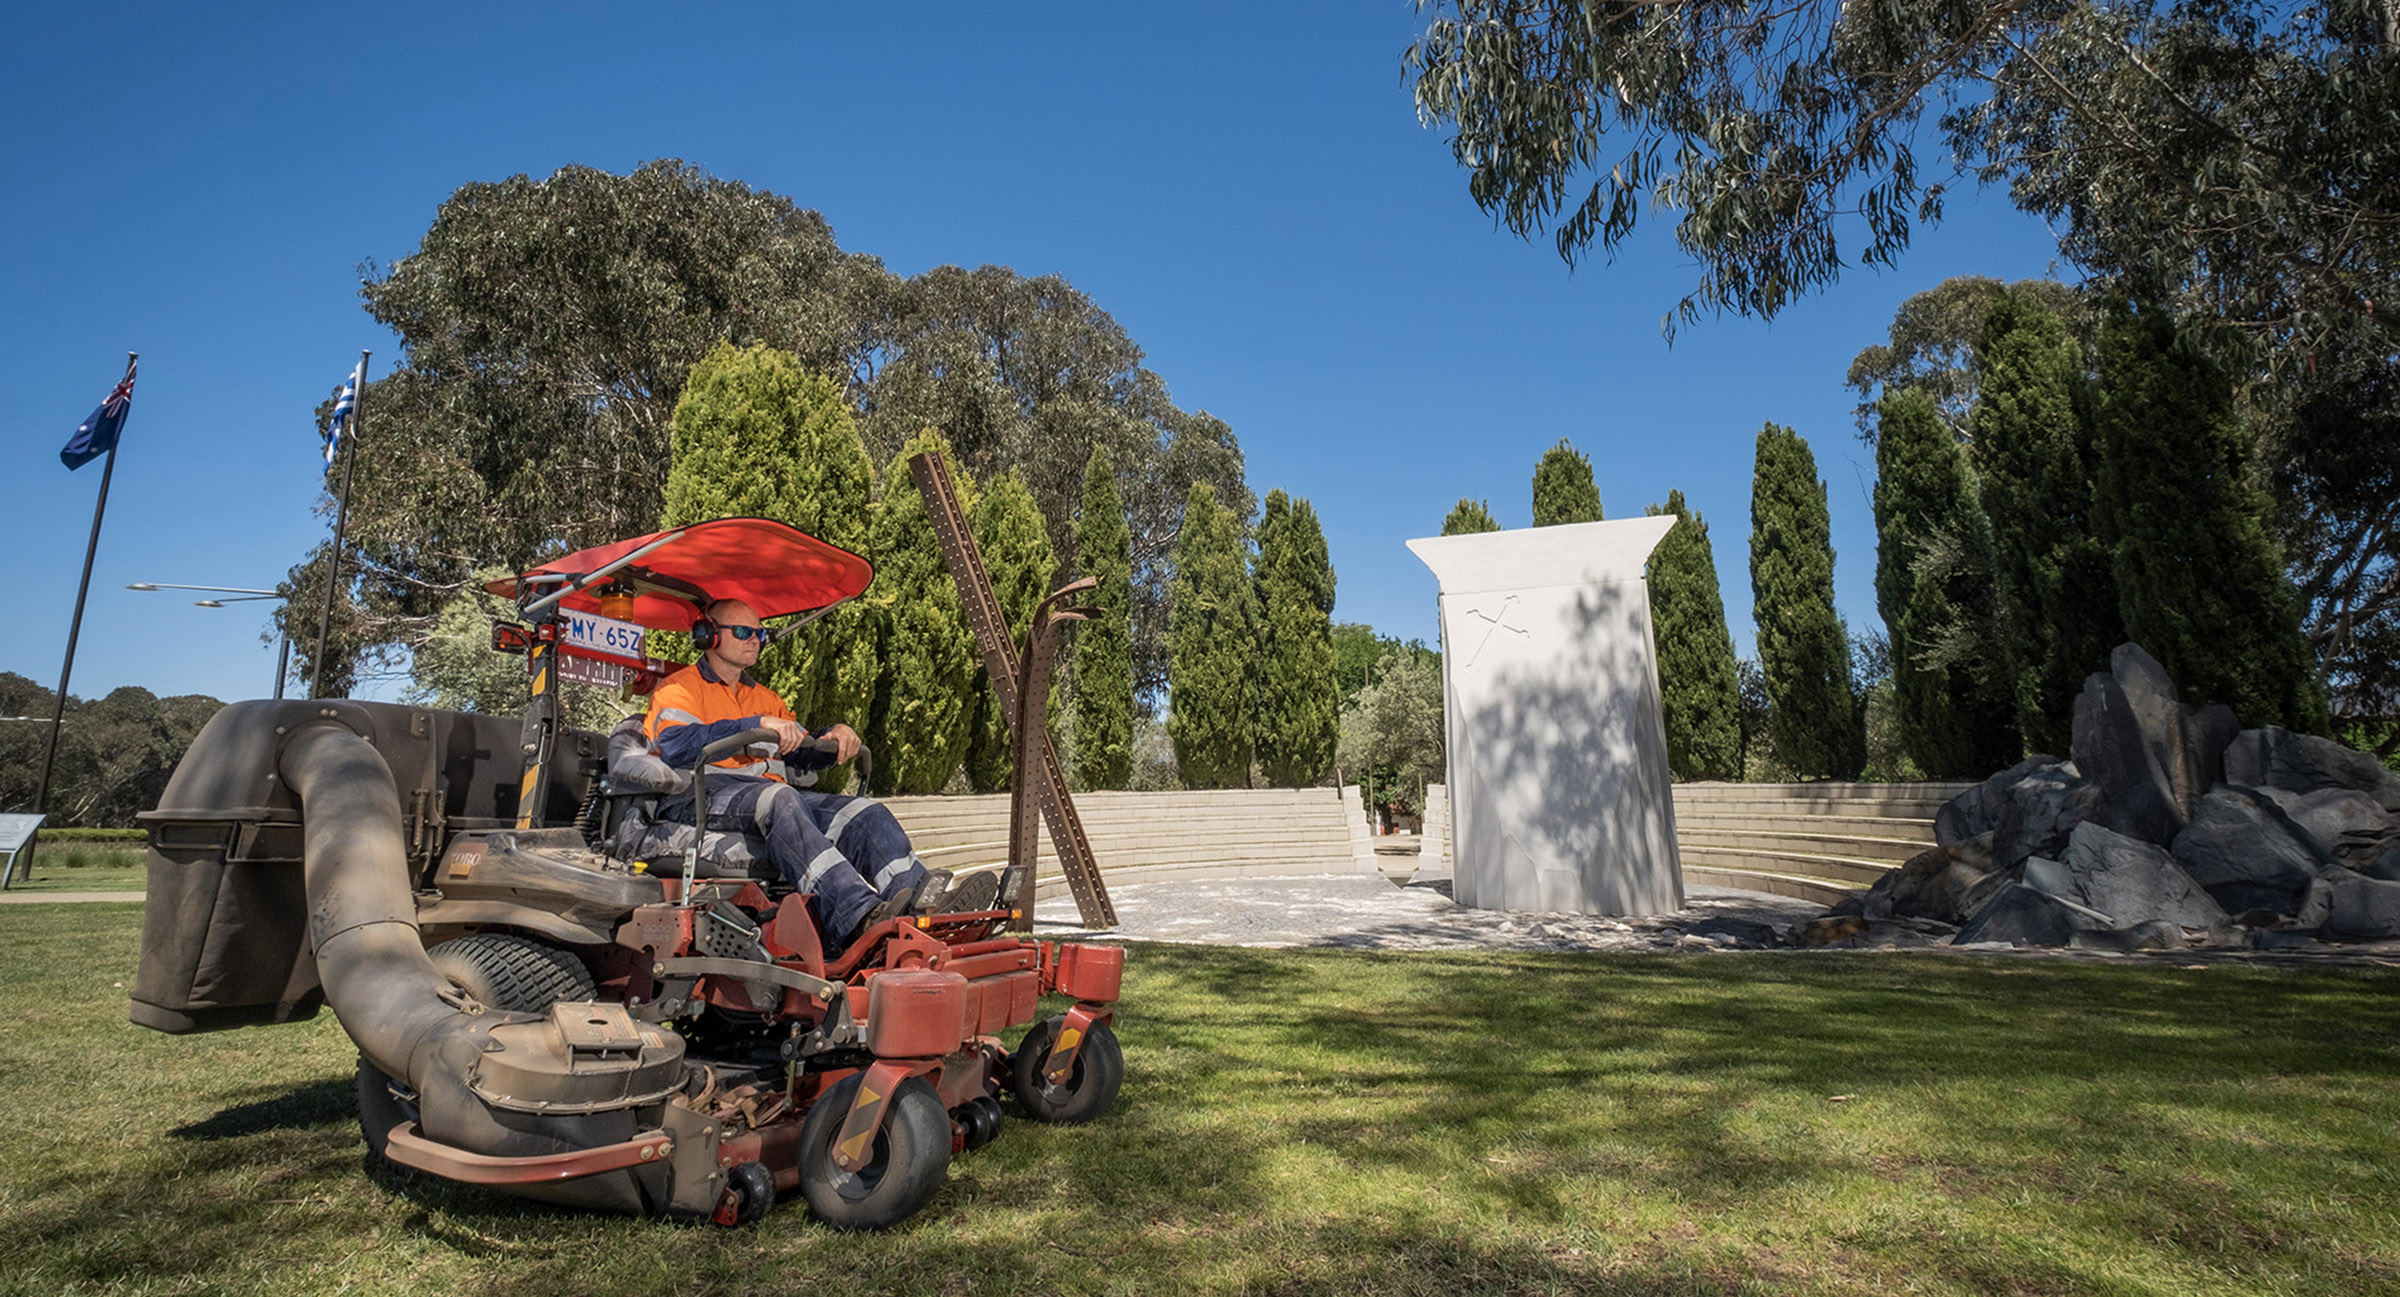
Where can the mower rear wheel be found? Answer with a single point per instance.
(906, 1167)
(512, 974)
(1089, 1088)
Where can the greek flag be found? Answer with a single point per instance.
(343, 406)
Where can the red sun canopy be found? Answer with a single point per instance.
(775, 568)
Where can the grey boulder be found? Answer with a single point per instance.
(1939, 883)
(2362, 909)
(1976, 811)
(2133, 882)
(2018, 915)
(2348, 824)
(2248, 855)
(2129, 740)
(2208, 731)
(2039, 811)
(2275, 757)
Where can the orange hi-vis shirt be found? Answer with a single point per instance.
(692, 709)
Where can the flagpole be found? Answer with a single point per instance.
(66, 670)
(341, 520)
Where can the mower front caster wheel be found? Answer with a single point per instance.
(1090, 1087)
(749, 1192)
(910, 1158)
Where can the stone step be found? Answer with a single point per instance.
(917, 821)
(1849, 807)
(1851, 870)
(1792, 885)
(1107, 850)
(973, 853)
(1865, 826)
(1049, 886)
(1822, 790)
(1893, 850)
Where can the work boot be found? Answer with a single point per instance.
(887, 909)
(979, 891)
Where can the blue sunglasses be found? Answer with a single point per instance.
(745, 632)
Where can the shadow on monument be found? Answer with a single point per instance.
(1601, 825)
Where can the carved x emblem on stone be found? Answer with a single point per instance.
(1495, 622)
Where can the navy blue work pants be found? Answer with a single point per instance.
(845, 853)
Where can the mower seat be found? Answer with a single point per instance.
(632, 830)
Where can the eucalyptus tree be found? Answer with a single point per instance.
(2234, 158)
(547, 327)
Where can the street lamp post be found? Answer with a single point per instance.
(283, 650)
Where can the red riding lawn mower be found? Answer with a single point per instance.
(547, 1002)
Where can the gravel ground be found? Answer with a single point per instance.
(1368, 911)
(1371, 912)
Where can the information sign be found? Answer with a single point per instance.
(15, 832)
(15, 829)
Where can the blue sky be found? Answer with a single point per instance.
(1245, 188)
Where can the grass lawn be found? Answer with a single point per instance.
(83, 867)
(1339, 1122)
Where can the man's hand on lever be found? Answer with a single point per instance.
(791, 735)
(845, 743)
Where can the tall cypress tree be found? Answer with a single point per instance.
(1468, 517)
(1563, 489)
(1933, 578)
(1103, 645)
(1016, 554)
(1212, 645)
(756, 435)
(1802, 646)
(2187, 522)
(2035, 459)
(1696, 680)
(919, 726)
(1297, 701)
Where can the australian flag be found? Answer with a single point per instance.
(98, 435)
(343, 406)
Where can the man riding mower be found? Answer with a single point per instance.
(847, 853)
(558, 986)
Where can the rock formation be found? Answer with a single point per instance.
(2167, 826)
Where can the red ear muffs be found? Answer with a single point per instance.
(704, 634)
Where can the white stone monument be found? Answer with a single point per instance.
(1560, 798)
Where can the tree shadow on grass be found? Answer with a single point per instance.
(1709, 1080)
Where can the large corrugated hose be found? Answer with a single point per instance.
(405, 1016)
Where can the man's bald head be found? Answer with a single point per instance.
(732, 654)
(731, 612)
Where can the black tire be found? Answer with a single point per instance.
(512, 974)
(1088, 1090)
(379, 1112)
(752, 1189)
(910, 1158)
